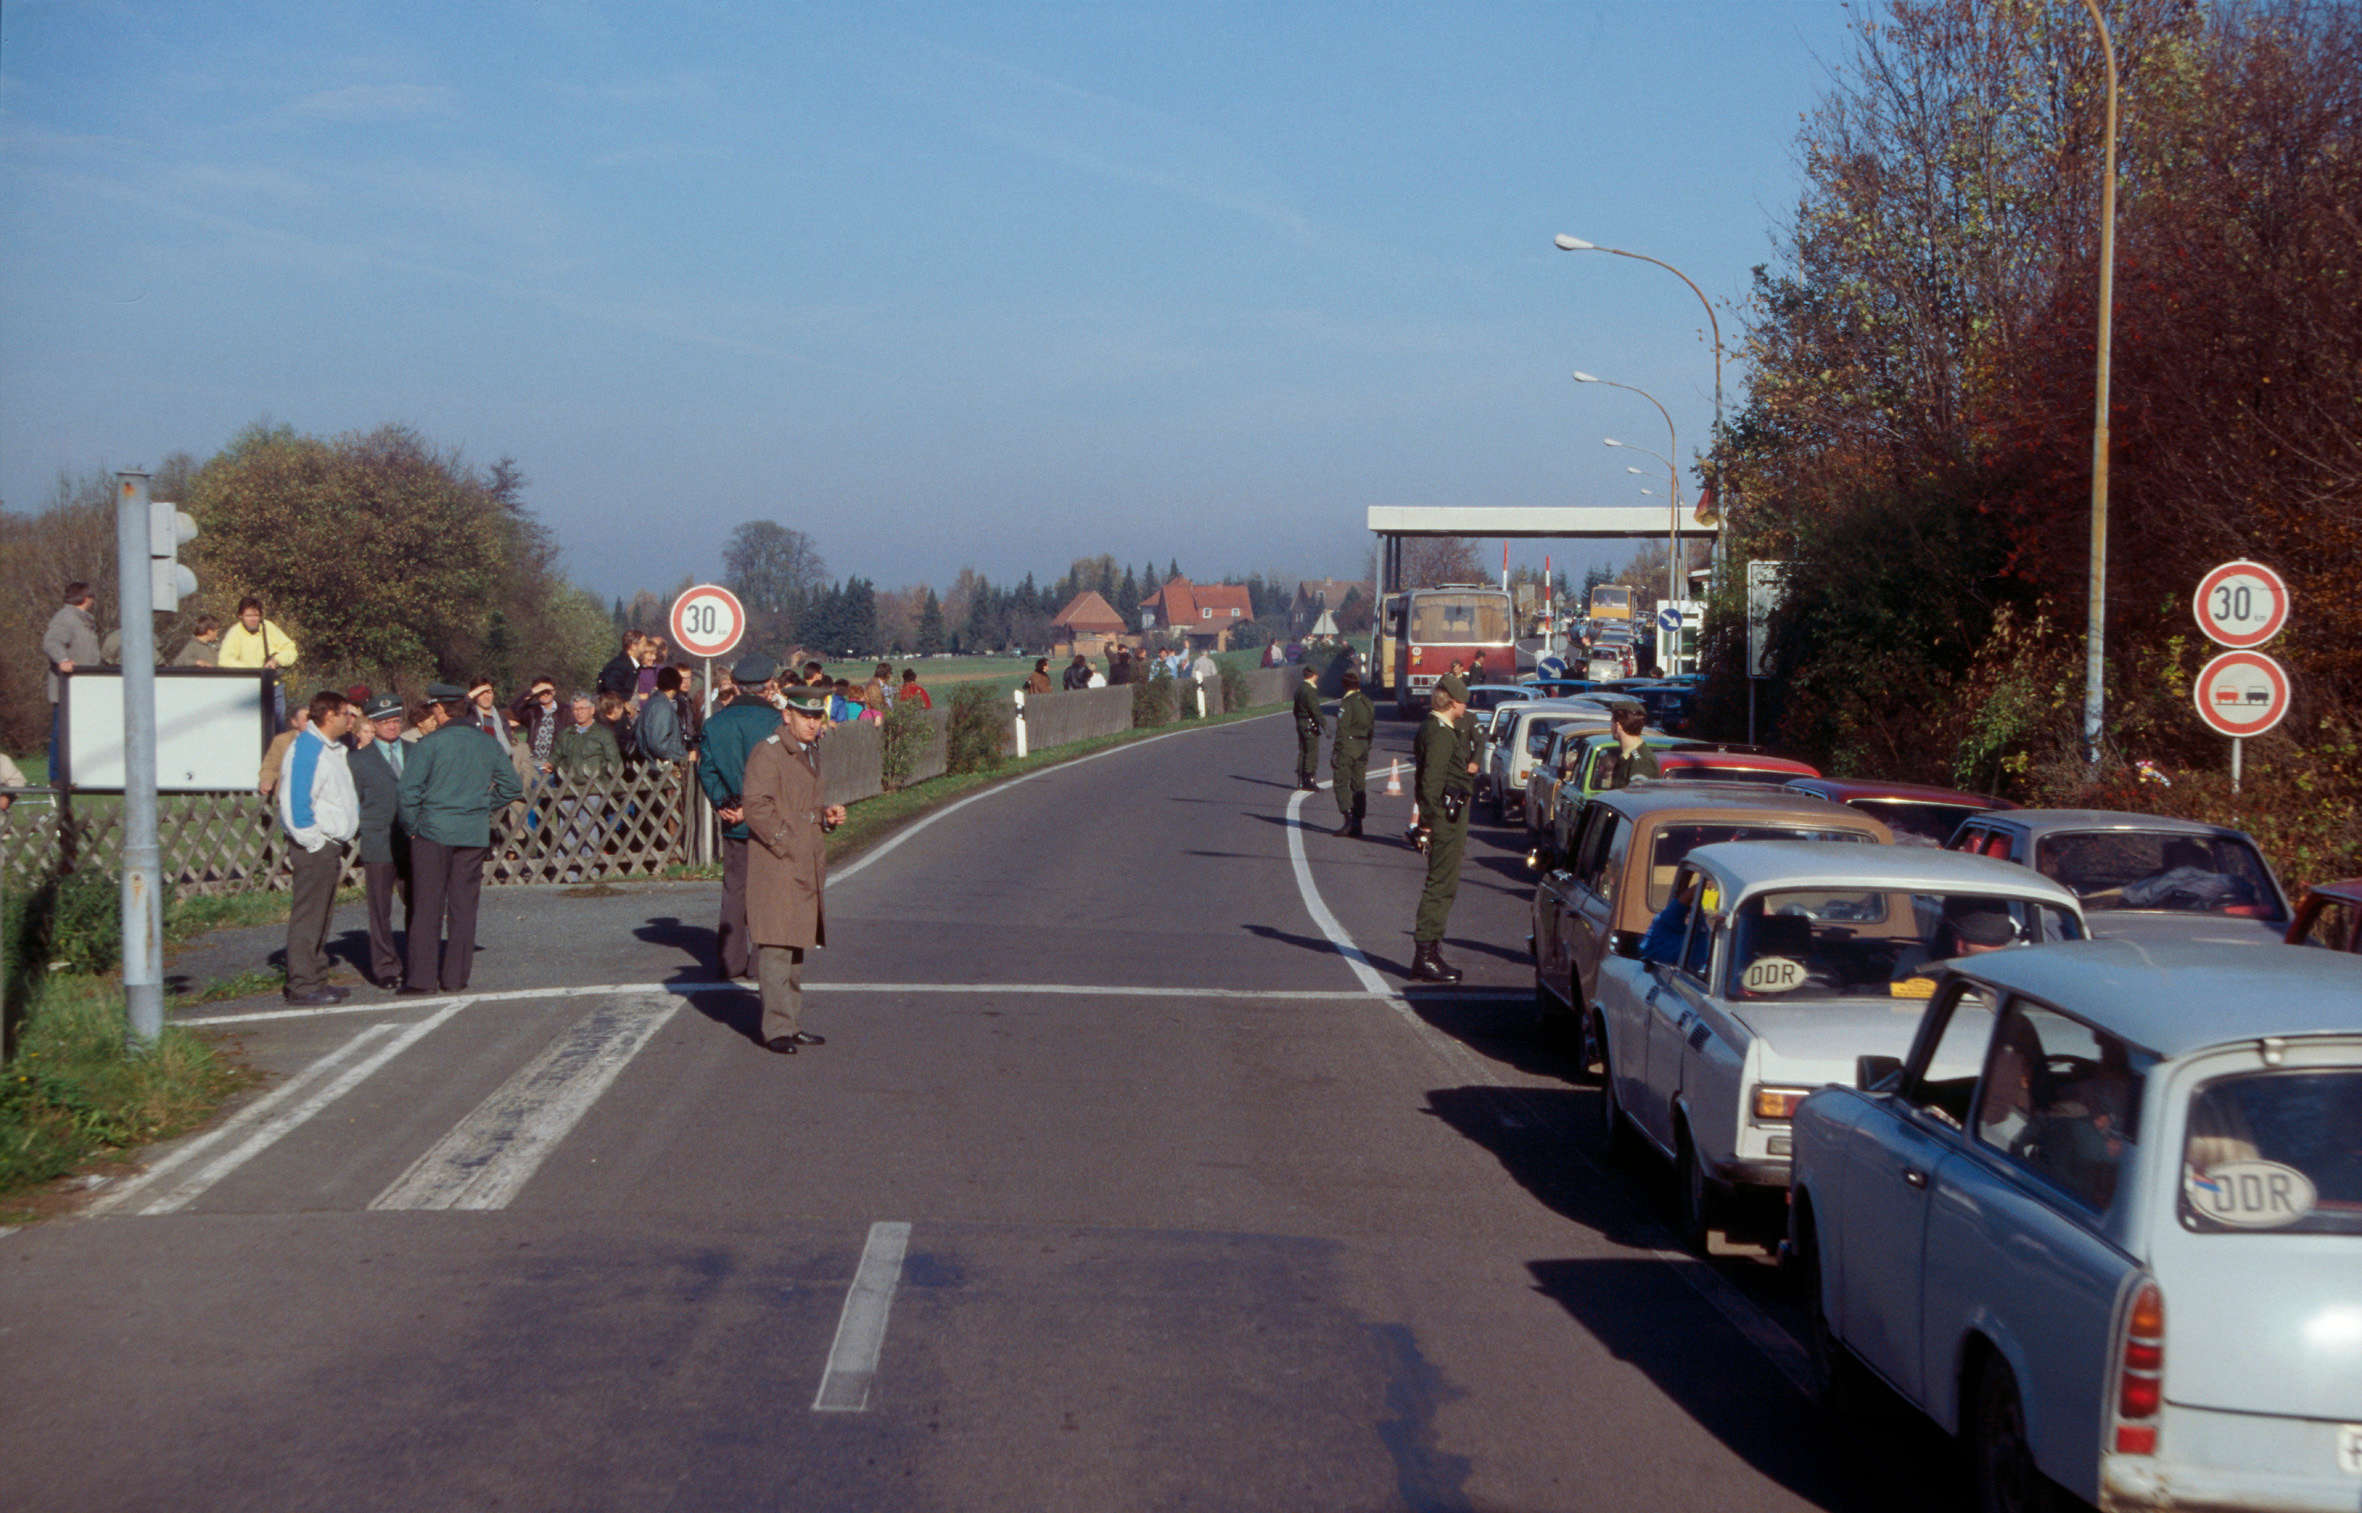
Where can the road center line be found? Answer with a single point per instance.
(270, 1130)
(861, 1328)
(487, 1158)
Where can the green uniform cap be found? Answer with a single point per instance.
(811, 700)
(1456, 686)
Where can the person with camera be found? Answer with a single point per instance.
(1442, 760)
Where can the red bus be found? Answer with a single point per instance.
(1434, 627)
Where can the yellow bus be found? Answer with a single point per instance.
(1611, 601)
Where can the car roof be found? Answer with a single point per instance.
(1851, 790)
(2176, 997)
(1750, 866)
(2347, 890)
(1742, 761)
(1728, 802)
(2035, 821)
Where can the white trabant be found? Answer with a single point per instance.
(1519, 735)
(2104, 1222)
(1771, 969)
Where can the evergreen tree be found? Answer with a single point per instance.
(930, 625)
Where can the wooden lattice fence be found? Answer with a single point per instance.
(633, 826)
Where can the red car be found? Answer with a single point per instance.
(1729, 764)
(2328, 915)
(1919, 814)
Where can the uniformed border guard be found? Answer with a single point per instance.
(731, 735)
(787, 821)
(1443, 752)
(1308, 730)
(1349, 760)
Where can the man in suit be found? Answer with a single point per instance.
(1308, 730)
(1446, 787)
(731, 736)
(376, 764)
(1349, 760)
(452, 780)
(787, 822)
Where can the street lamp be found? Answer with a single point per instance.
(1673, 517)
(1566, 243)
(2095, 635)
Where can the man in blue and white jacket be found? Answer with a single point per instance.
(321, 814)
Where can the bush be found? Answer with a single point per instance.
(1152, 702)
(1234, 689)
(973, 740)
(902, 743)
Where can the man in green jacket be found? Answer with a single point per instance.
(1349, 760)
(1442, 757)
(730, 736)
(586, 762)
(1308, 729)
(452, 780)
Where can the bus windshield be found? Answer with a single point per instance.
(1470, 619)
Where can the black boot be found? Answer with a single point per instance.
(1427, 964)
(1347, 828)
(1361, 806)
(1444, 970)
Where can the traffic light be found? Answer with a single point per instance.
(168, 526)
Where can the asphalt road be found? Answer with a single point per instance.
(1128, 1178)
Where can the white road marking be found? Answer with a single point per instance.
(487, 1158)
(1513, 1107)
(887, 846)
(861, 1328)
(268, 1130)
(917, 989)
(1363, 972)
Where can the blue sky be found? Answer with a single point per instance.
(940, 285)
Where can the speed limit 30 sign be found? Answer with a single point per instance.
(2241, 604)
(707, 621)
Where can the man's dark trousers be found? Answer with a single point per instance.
(379, 880)
(731, 939)
(314, 895)
(445, 882)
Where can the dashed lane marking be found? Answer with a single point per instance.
(483, 1161)
(1514, 1107)
(861, 1328)
(267, 1120)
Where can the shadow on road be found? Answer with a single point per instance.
(1319, 944)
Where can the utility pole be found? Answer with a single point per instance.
(143, 872)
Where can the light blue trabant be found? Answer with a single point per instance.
(2105, 1223)
(1772, 967)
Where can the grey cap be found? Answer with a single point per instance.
(385, 706)
(443, 693)
(755, 671)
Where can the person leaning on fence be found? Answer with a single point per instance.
(451, 782)
(658, 730)
(788, 817)
(912, 693)
(274, 756)
(622, 671)
(321, 814)
(1038, 681)
(733, 732)
(539, 718)
(376, 765)
(877, 693)
(616, 715)
(70, 641)
(1078, 673)
(10, 777)
(586, 763)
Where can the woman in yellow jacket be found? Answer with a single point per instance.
(254, 641)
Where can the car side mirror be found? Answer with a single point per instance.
(1626, 943)
(1878, 1074)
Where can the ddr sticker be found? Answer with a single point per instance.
(2250, 1194)
(1912, 987)
(1773, 974)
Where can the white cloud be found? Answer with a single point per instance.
(376, 102)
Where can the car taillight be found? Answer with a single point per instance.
(1777, 1105)
(2140, 1379)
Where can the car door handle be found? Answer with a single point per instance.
(1914, 1177)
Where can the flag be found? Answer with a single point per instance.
(1708, 510)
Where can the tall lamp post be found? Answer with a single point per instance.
(1566, 243)
(1673, 447)
(1673, 483)
(2095, 636)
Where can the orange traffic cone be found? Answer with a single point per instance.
(1394, 779)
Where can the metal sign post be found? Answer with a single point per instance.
(143, 870)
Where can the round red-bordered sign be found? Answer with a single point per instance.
(2242, 693)
(2241, 604)
(707, 621)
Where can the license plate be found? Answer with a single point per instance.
(2349, 1448)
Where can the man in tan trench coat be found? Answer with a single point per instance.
(787, 864)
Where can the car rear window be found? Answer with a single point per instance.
(1857, 943)
(2275, 1151)
(2159, 870)
(1917, 823)
(1676, 841)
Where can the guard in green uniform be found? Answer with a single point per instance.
(1308, 730)
(730, 737)
(1442, 755)
(1349, 761)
